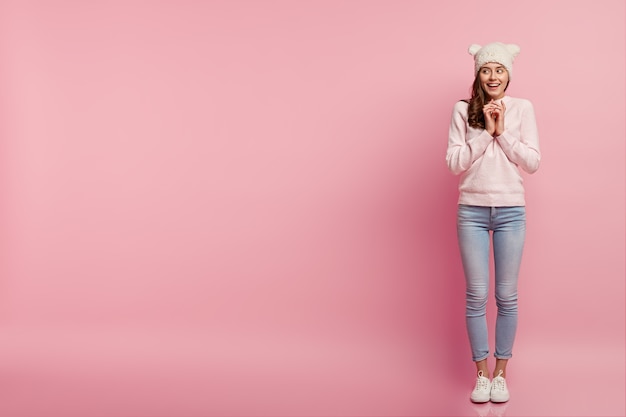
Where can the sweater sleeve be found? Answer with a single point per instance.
(463, 151)
(523, 151)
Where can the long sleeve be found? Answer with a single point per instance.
(523, 150)
(489, 168)
(463, 151)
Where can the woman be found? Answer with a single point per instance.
(491, 136)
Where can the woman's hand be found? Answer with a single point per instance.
(494, 117)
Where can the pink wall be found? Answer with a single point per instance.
(243, 206)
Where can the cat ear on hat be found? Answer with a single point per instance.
(474, 48)
(513, 49)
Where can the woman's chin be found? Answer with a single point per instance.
(495, 96)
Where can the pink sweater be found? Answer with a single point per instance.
(489, 166)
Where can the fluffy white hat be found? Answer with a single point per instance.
(494, 52)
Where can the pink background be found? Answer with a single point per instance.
(243, 207)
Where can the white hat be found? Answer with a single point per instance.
(494, 52)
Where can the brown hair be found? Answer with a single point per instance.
(475, 116)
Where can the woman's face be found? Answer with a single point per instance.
(494, 79)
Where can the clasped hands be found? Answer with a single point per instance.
(494, 117)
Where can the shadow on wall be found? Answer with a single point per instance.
(423, 220)
(441, 274)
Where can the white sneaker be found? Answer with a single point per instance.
(481, 393)
(499, 391)
(498, 409)
(482, 409)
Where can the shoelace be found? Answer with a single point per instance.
(498, 382)
(482, 383)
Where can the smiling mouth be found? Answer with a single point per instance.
(493, 85)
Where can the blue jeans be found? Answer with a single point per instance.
(474, 226)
